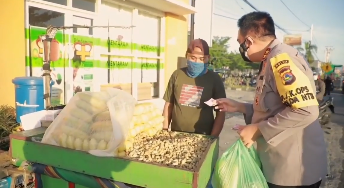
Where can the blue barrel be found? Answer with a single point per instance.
(29, 95)
(5, 183)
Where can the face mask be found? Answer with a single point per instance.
(243, 51)
(196, 69)
(315, 77)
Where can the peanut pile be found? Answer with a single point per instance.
(180, 150)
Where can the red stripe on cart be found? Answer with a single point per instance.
(36, 181)
(71, 185)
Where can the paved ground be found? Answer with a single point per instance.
(333, 136)
(228, 136)
(335, 140)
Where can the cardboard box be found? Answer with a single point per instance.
(46, 123)
(51, 115)
(144, 91)
(33, 120)
(124, 87)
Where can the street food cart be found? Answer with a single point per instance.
(58, 167)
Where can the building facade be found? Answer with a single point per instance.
(133, 43)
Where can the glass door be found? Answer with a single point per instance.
(38, 20)
(82, 59)
(120, 46)
(149, 55)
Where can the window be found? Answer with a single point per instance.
(44, 18)
(89, 5)
(149, 50)
(39, 20)
(79, 21)
(83, 60)
(60, 2)
(120, 45)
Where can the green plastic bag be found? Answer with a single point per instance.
(239, 167)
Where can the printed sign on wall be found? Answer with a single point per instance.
(34, 60)
(82, 63)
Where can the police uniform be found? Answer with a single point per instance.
(320, 89)
(292, 148)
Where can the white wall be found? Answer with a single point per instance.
(203, 20)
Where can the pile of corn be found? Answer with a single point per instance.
(85, 128)
(147, 120)
(89, 127)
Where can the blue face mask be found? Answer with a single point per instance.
(196, 69)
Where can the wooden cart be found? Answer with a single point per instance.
(78, 164)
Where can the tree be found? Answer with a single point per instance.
(233, 60)
(219, 51)
(300, 49)
(309, 49)
(237, 62)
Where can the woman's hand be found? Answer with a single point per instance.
(228, 105)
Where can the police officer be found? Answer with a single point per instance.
(320, 87)
(283, 117)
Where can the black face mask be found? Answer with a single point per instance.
(243, 49)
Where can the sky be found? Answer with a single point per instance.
(325, 15)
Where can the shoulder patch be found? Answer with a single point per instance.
(293, 85)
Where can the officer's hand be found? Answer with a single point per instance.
(248, 134)
(227, 105)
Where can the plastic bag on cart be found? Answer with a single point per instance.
(239, 167)
(97, 122)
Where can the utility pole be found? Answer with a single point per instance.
(328, 51)
(310, 42)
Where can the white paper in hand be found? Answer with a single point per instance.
(210, 102)
(236, 127)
